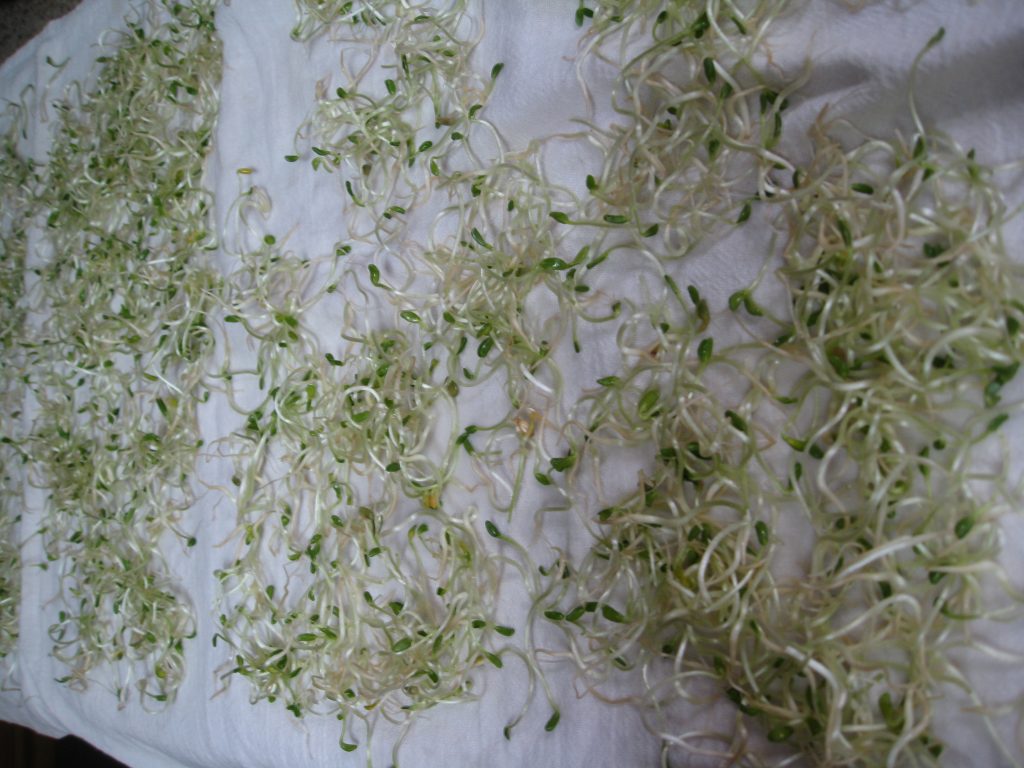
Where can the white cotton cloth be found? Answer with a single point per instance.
(971, 86)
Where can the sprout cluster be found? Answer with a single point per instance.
(357, 588)
(110, 343)
(17, 176)
(861, 403)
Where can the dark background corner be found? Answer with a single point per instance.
(21, 20)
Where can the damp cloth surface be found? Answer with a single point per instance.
(857, 61)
